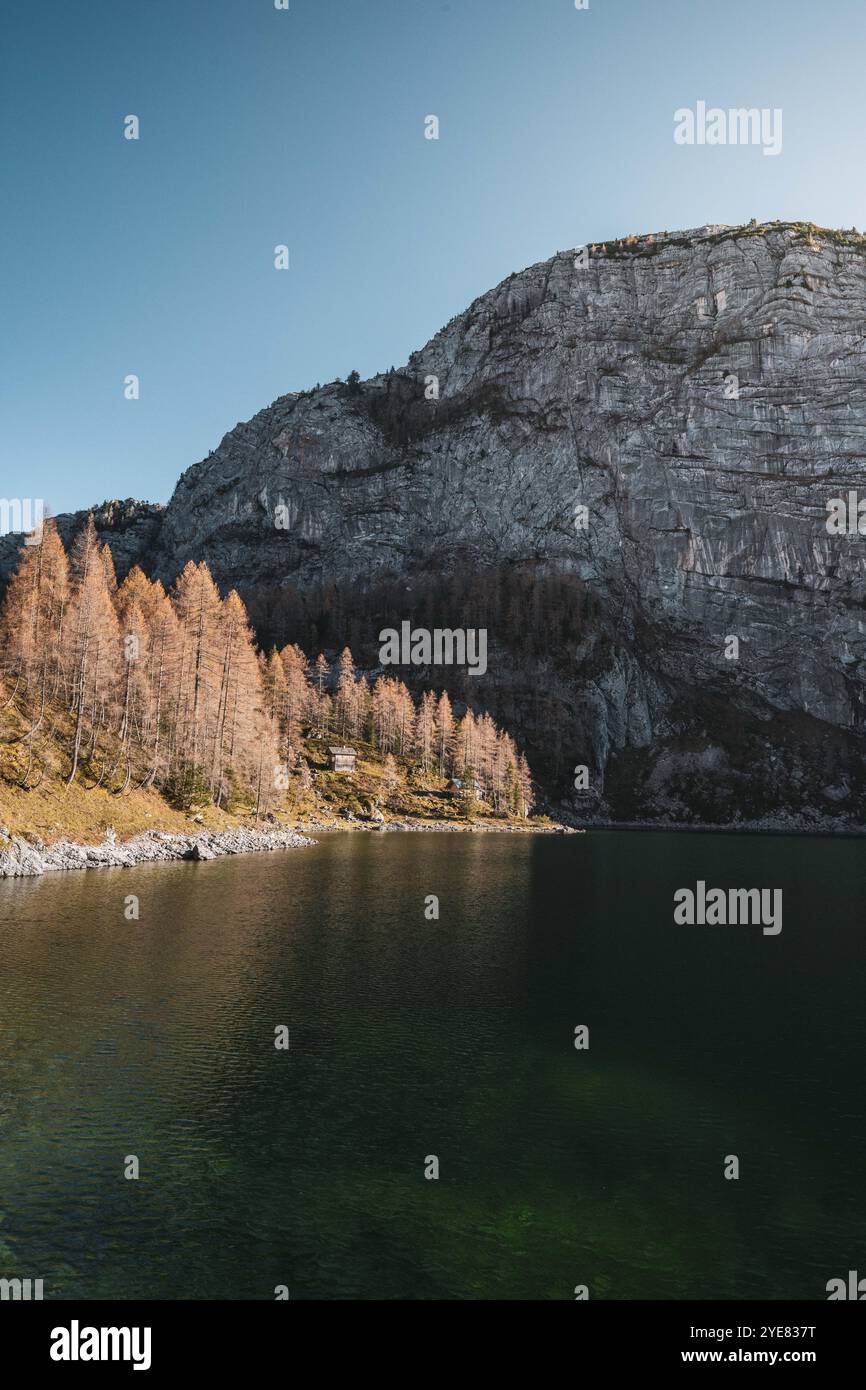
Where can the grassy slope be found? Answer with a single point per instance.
(52, 811)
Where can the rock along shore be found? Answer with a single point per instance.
(20, 858)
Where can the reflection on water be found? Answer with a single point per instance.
(408, 1038)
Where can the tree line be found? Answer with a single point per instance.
(138, 687)
(551, 635)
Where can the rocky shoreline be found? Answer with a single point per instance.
(21, 858)
(29, 858)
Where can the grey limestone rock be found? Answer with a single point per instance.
(703, 396)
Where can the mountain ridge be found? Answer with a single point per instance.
(702, 395)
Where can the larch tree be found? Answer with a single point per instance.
(444, 740)
(164, 653)
(321, 701)
(346, 705)
(136, 695)
(31, 627)
(199, 612)
(273, 679)
(172, 692)
(297, 705)
(425, 730)
(107, 559)
(239, 698)
(404, 717)
(524, 779)
(383, 714)
(33, 612)
(94, 647)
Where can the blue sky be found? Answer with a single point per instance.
(306, 127)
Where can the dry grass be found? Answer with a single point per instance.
(55, 812)
(52, 811)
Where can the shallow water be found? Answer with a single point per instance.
(454, 1038)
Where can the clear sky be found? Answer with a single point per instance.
(306, 127)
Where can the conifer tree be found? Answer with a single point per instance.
(444, 734)
(34, 608)
(347, 696)
(239, 698)
(171, 691)
(163, 663)
(425, 730)
(322, 701)
(94, 650)
(31, 624)
(199, 611)
(524, 778)
(136, 695)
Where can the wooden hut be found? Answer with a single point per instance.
(458, 787)
(342, 759)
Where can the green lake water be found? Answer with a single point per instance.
(452, 1038)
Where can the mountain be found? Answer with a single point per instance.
(703, 396)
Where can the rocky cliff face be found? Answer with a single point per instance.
(703, 397)
(129, 527)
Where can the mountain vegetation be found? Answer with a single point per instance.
(124, 689)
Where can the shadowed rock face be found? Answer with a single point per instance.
(129, 527)
(703, 396)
